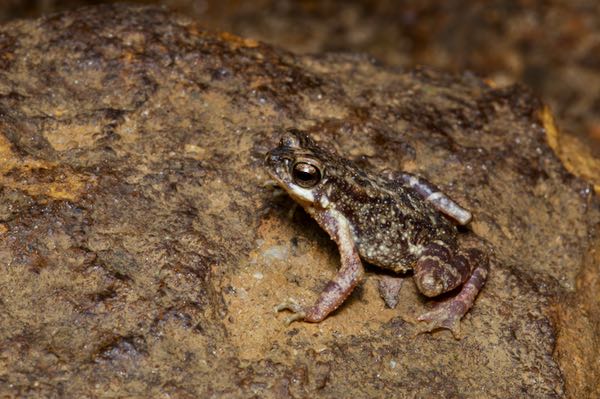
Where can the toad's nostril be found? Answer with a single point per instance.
(270, 158)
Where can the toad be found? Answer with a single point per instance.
(397, 221)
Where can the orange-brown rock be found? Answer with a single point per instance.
(142, 253)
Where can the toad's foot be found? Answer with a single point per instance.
(446, 315)
(389, 289)
(293, 306)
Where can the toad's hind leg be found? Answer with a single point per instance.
(441, 269)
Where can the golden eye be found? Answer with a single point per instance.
(306, 175)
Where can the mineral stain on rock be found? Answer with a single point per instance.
(142, 254)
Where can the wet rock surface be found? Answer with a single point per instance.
(143, 254)
(549, 45)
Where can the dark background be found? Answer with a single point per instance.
(551, 46)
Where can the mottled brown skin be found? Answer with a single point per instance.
(396, 222)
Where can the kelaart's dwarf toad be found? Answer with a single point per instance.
(399, 222)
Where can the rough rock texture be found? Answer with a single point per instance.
(551, 45)
(142, 253)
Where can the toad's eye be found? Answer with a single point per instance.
(306, 175)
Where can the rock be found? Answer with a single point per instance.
(143, 254)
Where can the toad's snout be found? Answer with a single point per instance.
(271, 161)
(275, 164)
(275, 158)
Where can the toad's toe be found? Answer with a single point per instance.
(293, 306)
(444, 316)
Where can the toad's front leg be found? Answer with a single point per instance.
(350, 274)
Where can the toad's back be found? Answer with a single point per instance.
(390, 222)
